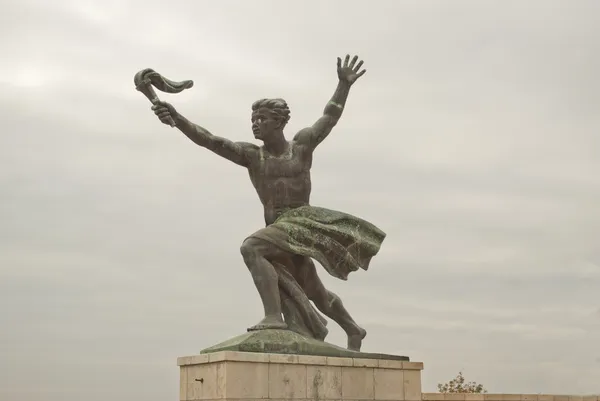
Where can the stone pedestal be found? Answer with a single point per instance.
(232, 375)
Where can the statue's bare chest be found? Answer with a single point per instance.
(289, 164)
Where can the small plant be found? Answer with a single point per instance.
(458, 385)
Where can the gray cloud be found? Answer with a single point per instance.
(472, 141)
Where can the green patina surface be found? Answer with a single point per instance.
(289, 342)
(340, 242)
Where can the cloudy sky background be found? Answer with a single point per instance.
(472, 141)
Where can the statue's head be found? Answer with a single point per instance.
(269, 116)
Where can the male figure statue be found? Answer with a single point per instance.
(295, 232)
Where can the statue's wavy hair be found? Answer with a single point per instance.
(277, 106)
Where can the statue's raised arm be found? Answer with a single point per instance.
(348, 74)
(237, 152)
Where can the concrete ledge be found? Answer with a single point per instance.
(506, 397)
(231, 375)
(235, 356)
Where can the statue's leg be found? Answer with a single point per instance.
(256, 253)
(331, 305)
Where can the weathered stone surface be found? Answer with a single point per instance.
(254, 376)
(289, 342)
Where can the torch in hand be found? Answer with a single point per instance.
(146, 80)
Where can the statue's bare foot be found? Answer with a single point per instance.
(355, 340)
(269, 322)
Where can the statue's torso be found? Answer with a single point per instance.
(282, 182)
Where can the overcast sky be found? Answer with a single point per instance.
(472, 141)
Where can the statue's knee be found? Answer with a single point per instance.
(246, 248)
(333, 299)
(249, 248)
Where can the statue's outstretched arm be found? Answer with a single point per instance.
(237, 152)
(348, 73)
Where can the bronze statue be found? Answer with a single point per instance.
(279, 256)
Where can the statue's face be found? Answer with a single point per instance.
(264, 123)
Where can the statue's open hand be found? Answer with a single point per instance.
(165, 112)
(349, 72)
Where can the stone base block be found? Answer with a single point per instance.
(230, 375)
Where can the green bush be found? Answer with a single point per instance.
(458, 385)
